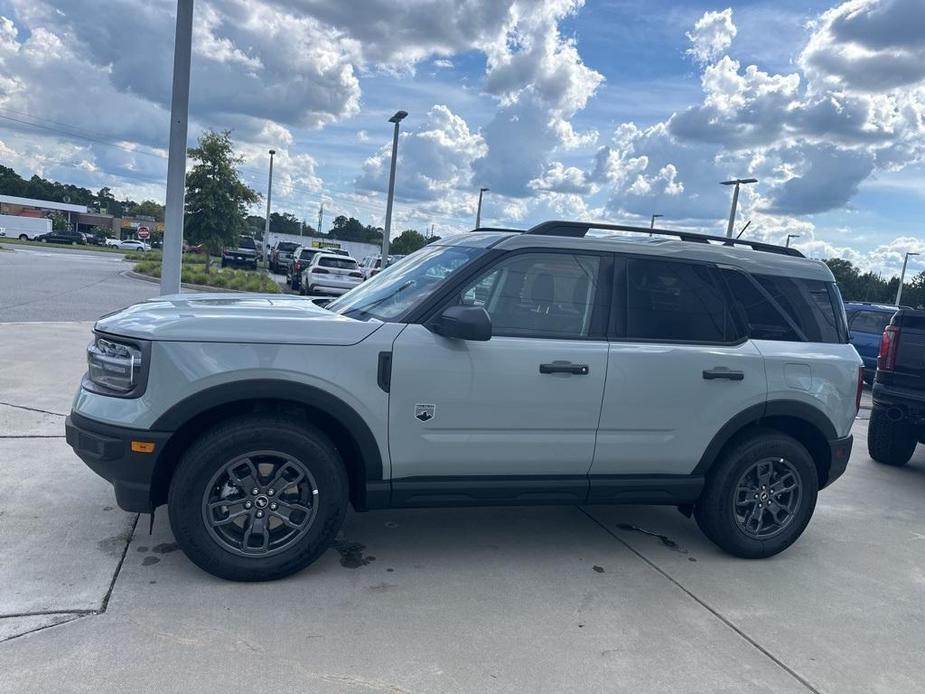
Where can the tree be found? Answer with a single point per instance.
(216, 197)
(409, 241)
(286, 223)
(350, 229)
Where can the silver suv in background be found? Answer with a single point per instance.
(559, 365)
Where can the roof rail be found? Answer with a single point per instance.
(580, 229)
(516, 231)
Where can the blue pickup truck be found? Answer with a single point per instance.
(866, 323)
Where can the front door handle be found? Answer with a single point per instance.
(564, 367)
(720, 372)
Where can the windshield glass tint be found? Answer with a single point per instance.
(338, 262)
(396, 289)
(247, 242)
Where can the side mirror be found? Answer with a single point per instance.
(463, 323)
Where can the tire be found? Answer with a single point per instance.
(309, 290)
(23, 237)
(716, 514)
(890, 442)
(224, 264)
(198, 478)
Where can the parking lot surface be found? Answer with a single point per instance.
(456, 600)
(39, 284)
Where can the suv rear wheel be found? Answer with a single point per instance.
(890, 441)
(258, 498)
(760, 495)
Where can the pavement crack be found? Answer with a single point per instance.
(77, 614)
(32, 409)
(712, 610)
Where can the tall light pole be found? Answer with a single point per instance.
(172, 255)
(735, 200)
(266, 223)
(902, 277)
(478, 212)
(654, 217)
(397, 118)
(791, 236)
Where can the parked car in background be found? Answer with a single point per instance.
(300, 259)
(281, 256)
(866, 323)
(199, 248)
(113, 243)
(897, 419)
(330, 273)
(244, 255)
(24, 228)
(134, 245)
(372, 264)
(66, 236)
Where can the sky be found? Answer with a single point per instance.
(601, 110)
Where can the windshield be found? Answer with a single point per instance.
(287, 247)
(393, 291)
(247, 242)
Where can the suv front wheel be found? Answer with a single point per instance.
(759, 496)
(258, 498)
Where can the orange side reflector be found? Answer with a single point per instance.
(142, 446)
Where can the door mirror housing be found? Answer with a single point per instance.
(463, 323)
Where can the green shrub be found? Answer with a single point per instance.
(195, 273)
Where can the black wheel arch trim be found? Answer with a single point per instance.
(272, 389)
(753, 415)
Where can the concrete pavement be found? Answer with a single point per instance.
(543, 599)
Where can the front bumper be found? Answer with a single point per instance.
(107, 450)
(840, 452)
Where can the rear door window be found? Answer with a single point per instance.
(760, 318)
(676, 302)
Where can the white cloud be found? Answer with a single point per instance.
(434, 160)
(712, 35)
(871, 45)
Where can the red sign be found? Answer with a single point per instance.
(143, 233)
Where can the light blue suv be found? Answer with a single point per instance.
(564, 364)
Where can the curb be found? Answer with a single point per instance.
(198, 287)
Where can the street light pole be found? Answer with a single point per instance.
(735, 201)
(397, 118)
(791, 236)
(652, 222)
(172, 254)
(902, 277)
(266, 223)
(478, 212)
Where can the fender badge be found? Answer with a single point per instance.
(425, 413)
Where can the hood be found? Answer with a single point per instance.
(251, 318)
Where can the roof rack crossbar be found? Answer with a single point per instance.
(580, 229)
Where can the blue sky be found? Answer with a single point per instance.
(603, 109)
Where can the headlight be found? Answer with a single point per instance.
(114, 366)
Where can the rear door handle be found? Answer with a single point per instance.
(564, 367)
(720, 372)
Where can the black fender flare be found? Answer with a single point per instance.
(273, 389)
(753, 415)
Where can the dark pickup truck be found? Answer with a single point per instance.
(897, 421)
(245, 255)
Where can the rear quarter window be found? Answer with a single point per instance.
(810, 304)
